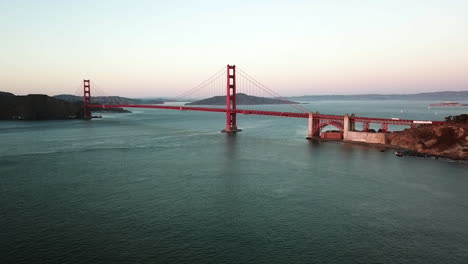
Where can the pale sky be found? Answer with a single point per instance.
(162, 48)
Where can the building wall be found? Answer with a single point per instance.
(331, 135)
(376, 138)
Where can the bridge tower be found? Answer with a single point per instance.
(231, 107)
(86, 99)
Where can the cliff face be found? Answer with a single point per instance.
(448, 140)
(37, 107)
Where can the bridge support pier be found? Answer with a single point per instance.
(347, 126)
(231, 107)
(365, 126)
(384, 127)
(352, 123)
(313, 132)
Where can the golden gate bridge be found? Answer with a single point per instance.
(230, 85)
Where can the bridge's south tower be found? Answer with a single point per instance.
(231, 125)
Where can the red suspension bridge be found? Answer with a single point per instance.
(230, 83)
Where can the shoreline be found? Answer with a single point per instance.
(385, 147)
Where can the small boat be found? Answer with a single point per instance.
(399, 154)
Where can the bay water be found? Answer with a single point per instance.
(162, 186)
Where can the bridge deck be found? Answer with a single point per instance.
(265, 113)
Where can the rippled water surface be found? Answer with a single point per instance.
(159, 186)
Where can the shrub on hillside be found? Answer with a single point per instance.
(463, 118)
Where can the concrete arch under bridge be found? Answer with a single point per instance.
(320, 124)
(317, 122)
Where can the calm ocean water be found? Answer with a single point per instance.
(159, 186)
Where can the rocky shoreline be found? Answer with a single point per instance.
(448, 140)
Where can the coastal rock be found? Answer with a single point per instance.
(448, 140)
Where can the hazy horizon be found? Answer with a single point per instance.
(162, 48)
(191, 98)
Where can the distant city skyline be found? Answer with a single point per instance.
(162, 48)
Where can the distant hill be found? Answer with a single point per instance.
(242, 99)
(43, 107)
(108, 99)
(433, 96)
(6, 94)
(37, 107)
(162, 99)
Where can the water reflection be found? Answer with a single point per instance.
(231, 164)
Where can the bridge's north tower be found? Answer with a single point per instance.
(86, 99)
